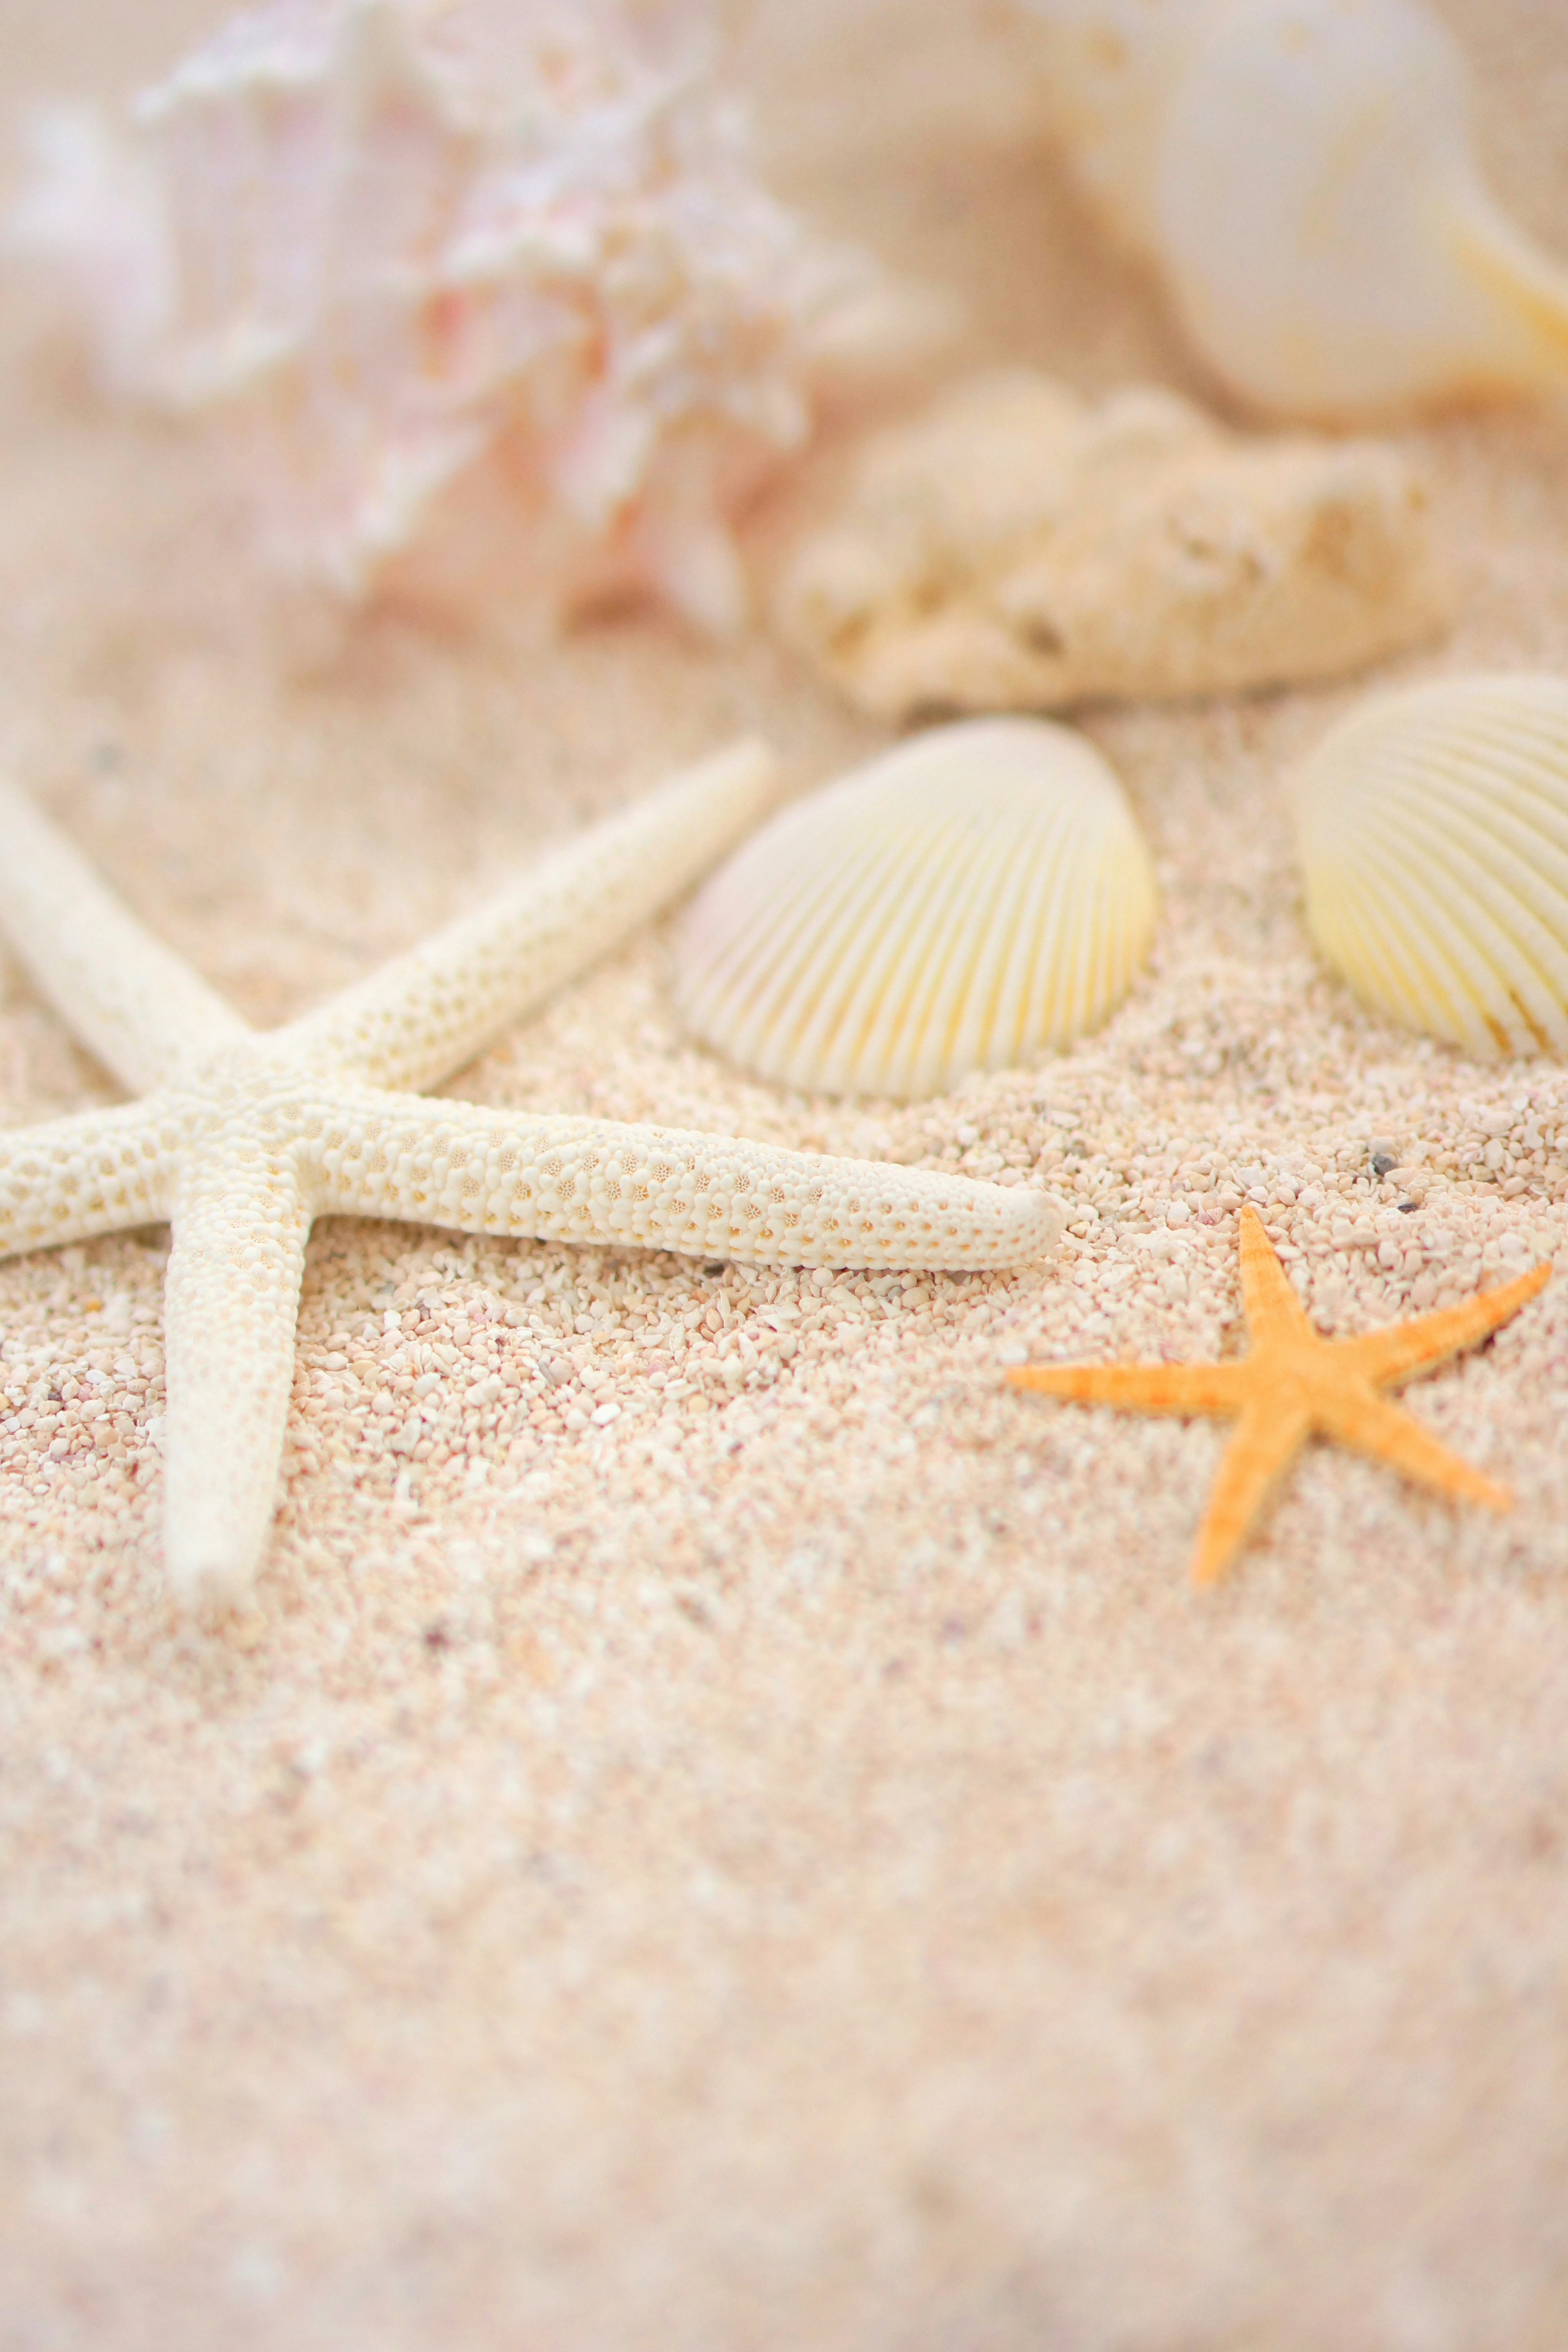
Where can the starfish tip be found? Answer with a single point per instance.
(1207, 1571)
(208, 1581)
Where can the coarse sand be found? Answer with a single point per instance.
(793, 1865)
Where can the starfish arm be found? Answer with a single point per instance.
(1262, 1448)
(1273, 1310)
(232, 1299)
(1384, 1357)
(1384, 1432)
(137, 1006)
(72, 1178)
(1185, 1389)
(430, 1011)
(580, 1180)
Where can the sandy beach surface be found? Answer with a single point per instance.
(794, 1864)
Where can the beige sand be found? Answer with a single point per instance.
(797, 1867)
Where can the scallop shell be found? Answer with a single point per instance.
(956, 905)
(1303, 174)
(1433, 827)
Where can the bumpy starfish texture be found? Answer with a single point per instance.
(244, 1138)
(1293, 1386)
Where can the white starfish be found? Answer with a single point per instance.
(244, 1137)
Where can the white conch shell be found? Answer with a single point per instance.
(1014, 548)
(1302, 173)
(1432, 829)
(959, 903)
(374, 240)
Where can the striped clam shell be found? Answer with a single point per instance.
(1432, 829)
(957, 904)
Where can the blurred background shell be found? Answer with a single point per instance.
(1302, 173)
(377, 245)
(959, 903)
(1432, 829)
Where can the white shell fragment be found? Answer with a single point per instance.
(959, 904)
(376, 242)
(1017, 549)
(1432, 826)
(1302, 175)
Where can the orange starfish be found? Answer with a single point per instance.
(1293, 1386)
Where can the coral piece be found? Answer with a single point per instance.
(959, 903)
(244, 1140)
(1302, 175)
(1293, 1386)
(1017, 549)
(1433, 832)
(374, 240)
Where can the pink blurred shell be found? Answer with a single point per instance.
(377, 240)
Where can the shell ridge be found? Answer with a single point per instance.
(1022, 955)
(1049, 914)
(872, 1053)
(1059, 904)
(1505, 935)
(905, 886)
(761, 973)
(1001, 983)
(910, 890)
(819, 911)
(1035, 842)
(1433, 830)
(970, 897)
(929, 1021)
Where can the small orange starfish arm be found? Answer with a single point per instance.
(1141, 1387)
(1262, 1449)
(1386, 1357)
(1294, 1385)
(1372, 1426)
(1273, 1311)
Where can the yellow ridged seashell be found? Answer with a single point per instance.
(957, 904)
(1432, 826)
